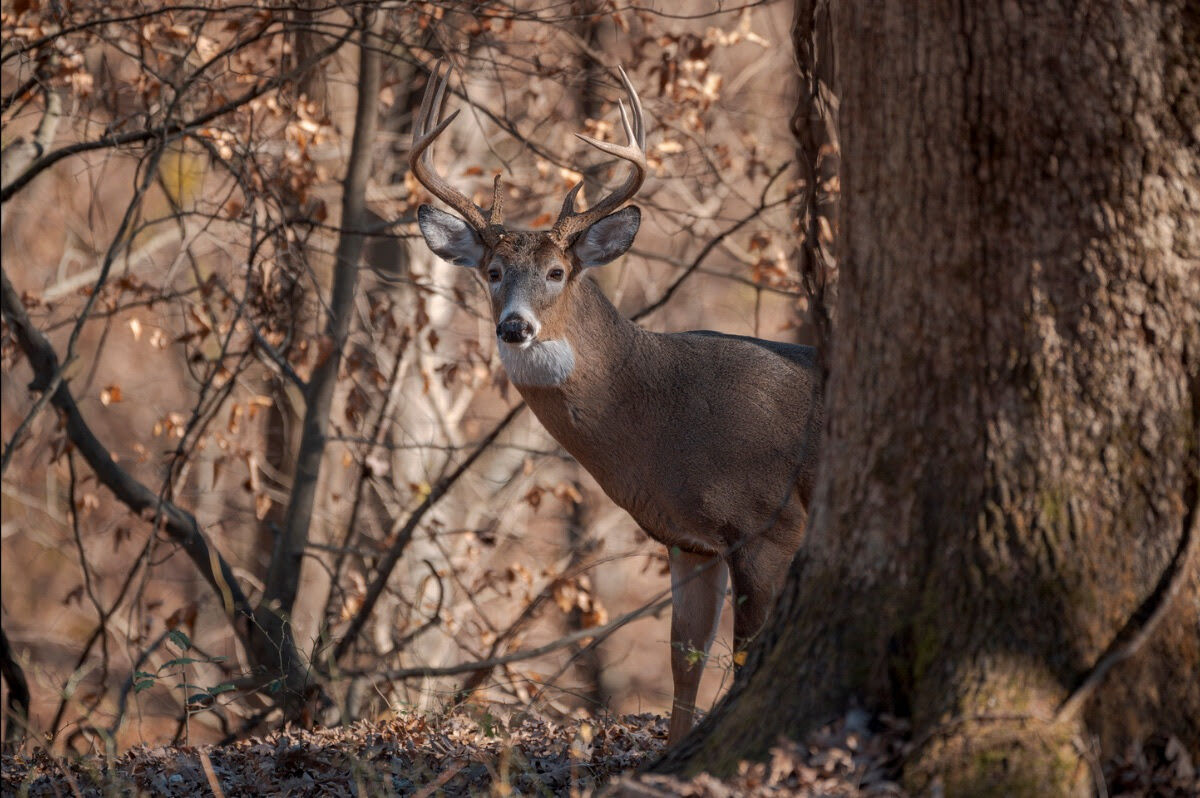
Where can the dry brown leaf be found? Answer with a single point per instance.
(110, 395)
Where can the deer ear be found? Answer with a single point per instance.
(450, 238)
(608, 238)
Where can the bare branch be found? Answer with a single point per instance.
(51, 386)
(1144, 620)
(650, 608)
(403, 535)
(670, 290)
(123, 696)
(167, 129)
(177, 523)
(18, 155)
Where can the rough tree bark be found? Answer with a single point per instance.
(818, 154)
(1002, 545)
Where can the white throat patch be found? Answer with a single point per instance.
(541, 364)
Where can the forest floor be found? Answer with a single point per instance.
(477, 753)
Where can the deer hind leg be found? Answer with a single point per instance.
(697, 592)
(758, 570)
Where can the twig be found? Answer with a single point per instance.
(374, 440)
(51, 385)
(18, 155)
(650, 608)
(440, 781)
(477, 677)
(20, 91)
(434, 620)
(172, 129)
(23, 428)
(72, 484)
(180, 525)
(70, 777)
(712, 245)
(404, 534)
(123, 696)
(101, 628)
(211, 775)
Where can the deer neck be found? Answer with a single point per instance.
(598, 357)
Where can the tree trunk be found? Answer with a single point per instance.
(1007, 504)
(283, 580)
(595, 30)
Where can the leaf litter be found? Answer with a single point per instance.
(472, 751)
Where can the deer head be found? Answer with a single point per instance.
(530, 275)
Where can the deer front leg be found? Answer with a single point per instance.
(697, 592)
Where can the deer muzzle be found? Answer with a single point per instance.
(515, 330)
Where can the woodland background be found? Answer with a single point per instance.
(178, 253)
(262, 470)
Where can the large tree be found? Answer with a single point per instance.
(1003, 540)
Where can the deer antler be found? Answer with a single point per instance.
(569, 223)
(426, 128)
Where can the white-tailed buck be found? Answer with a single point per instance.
(708, 440)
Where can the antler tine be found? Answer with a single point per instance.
(634, 151)
(426, 128)
(429, 115)
(568, 206)
(636, 102)
(496, 212)
(639, 117)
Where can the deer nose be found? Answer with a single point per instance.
(514, 330)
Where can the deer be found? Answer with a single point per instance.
(708, 440)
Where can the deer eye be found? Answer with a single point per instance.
(555, 274)
(493, 275)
